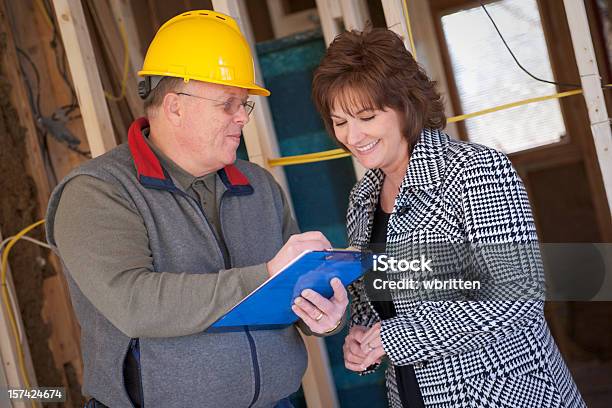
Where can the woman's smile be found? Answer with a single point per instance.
(368, 148)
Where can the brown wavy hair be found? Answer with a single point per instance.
(372, 69)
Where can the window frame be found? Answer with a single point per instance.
(567, 150)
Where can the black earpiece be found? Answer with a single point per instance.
(144, 87)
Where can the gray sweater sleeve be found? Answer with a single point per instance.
(103, 242)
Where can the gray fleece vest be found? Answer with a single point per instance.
(232, 369)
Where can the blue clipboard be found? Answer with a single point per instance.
(269, 306)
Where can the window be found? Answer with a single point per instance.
(487, 76)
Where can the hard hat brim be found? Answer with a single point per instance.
(253, 88)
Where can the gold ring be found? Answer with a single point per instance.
(319, 317)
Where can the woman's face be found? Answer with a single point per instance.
(374, 137)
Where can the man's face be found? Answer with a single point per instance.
(211, 134)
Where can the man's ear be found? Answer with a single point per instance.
(173, 109)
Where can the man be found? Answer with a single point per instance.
(163, 235)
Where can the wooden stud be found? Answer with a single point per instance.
(329, 15)
(110, 74)
(122, 10)
(591, 85)
(114, 37)
(318, 382)
(396, 20)
(355, 14)
(19, 99)
(154, 14)
(4, 400)
(428, 55)
(86, 76)
(9, 354)
(285, 24)
(33, 34)
(65, 342)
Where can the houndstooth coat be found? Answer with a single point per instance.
(486, 353)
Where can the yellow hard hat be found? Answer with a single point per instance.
(203, 45)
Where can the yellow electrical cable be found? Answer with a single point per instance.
(42, 8)
(126, 66)
(310, 157)
(409, 27)
(7, 301)
(340, 153)
(560, 95)
(300, 159)
(325, 153)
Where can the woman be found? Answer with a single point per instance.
(444, 349)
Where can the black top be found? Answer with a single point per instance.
(407, 385)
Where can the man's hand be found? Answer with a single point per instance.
(320, 314)
(362, 348)
(295, 245)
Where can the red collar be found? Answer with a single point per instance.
(152, 174)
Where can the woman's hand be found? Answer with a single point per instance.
(320, 314)
(362, 348)
(353, 355)
(371, 345)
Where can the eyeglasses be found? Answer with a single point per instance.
(230, 106)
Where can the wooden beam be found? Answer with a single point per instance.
(396, 20)
(34, 35)
(19, 99)
(428, 53)
(285, 24)
(65, 341)
(329, 14)
(119, 36)
(85, 74)
(591, 85)
(122, 11)
(154, 13)
(355, 14)
(4, 400)
(9, 354)
(109, 54)
(318, 382)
